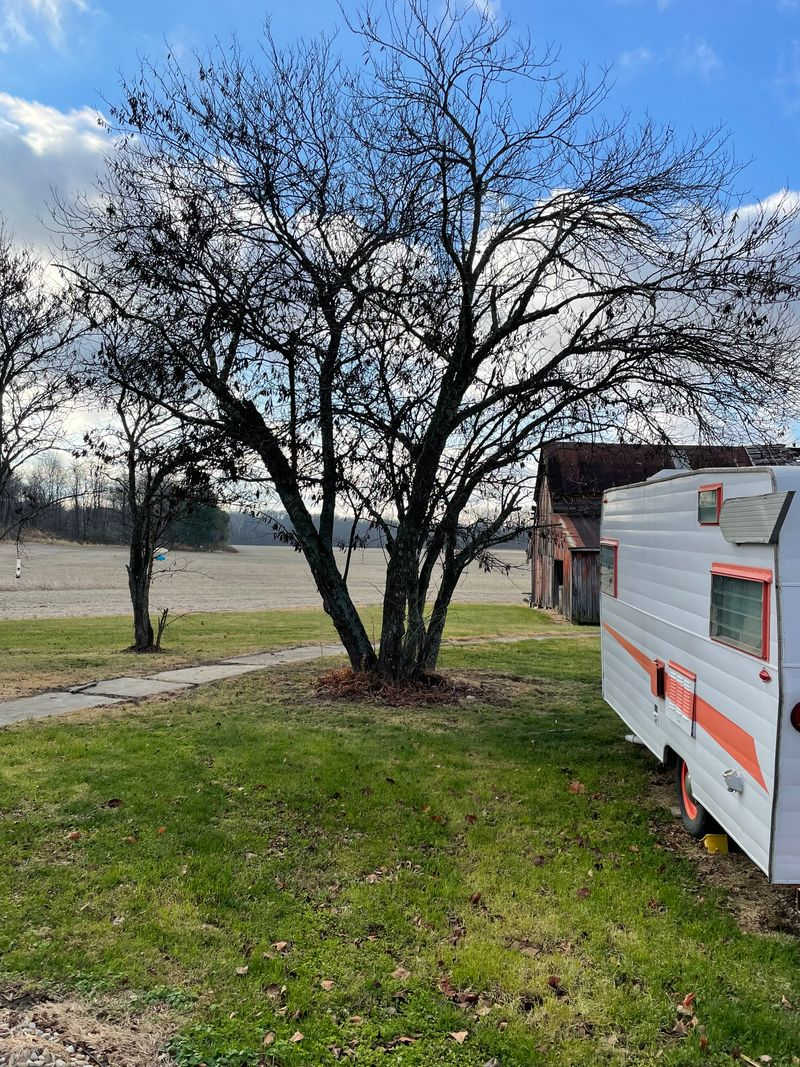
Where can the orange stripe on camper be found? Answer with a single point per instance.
(737, 742)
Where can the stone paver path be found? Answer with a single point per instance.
(117, 690)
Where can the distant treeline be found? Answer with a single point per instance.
(271, 529)
(82, 502)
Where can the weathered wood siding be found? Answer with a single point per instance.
(584, 597)
(548, 545)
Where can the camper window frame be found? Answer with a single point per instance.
(716, 487)
(609, 542)
(761, 575)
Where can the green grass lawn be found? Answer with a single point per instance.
(273, 864)
(37, 653)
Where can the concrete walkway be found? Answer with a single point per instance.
(118, 690)
(181, 679)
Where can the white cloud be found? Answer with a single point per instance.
(42, 149)
(21, 20)
(636, 58)
(700, 58)
(488, 7)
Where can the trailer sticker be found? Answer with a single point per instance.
(738, 743)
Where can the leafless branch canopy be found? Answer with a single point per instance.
(391, 285)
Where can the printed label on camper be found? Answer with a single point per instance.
(680, 693)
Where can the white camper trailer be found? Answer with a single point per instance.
(700, 625)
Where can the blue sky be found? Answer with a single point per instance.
(692, 63)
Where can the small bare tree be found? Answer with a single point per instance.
(36, 335)
(158, 467)
(399, 282)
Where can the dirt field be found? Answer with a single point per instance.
(63, 580)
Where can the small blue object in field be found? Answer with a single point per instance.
(160, 554)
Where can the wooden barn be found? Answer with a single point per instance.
(565, 541)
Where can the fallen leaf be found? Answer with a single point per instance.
(327, 984)
(471, 818)
(296, 1036)
(689, 999)
(355, 1019)
(459, 1036)
(555, 984)
(576, 787)
(162, 830)
(400, 973)
(583, 892)
(75, 835)
(269, 1039)
(242, 971)
(403, 1039)
(280, 946)
(704, 1043)
(115, 802)
(475, 899)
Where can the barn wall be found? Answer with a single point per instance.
(549, 545)
(584, 596)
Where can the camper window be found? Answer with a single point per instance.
(608, 567)
(709, 505)
(740, 608)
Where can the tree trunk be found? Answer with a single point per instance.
(333, 590)
(451, 573)
(139, 573)
(401, 634)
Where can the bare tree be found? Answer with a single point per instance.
(398, 285)
(36, 333)
(157, 466)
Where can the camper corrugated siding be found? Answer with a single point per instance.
(585, 588)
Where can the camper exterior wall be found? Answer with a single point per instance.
(786, 818)
(662, 612)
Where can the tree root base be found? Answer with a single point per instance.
(349, 685)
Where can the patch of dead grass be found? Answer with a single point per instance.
(104, 1033)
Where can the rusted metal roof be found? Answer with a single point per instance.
(578, 473)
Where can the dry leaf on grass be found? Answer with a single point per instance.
(242, 971)
(327, 984)
(296, 1037)
(400, 973)
(459, 1036)
(269, 1039)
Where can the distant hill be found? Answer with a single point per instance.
(247, 530)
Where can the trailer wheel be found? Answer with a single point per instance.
(694, 816)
